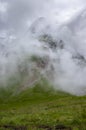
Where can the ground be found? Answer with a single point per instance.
(38, 108)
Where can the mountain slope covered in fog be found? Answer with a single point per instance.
(43, 65)
(43, 39)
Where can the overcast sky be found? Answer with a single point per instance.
(18, 14)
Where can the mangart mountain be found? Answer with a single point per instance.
(42, 65)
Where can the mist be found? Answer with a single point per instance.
(43, 38)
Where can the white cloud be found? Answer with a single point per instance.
(64, 20)
(3, 7)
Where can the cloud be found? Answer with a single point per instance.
(64, 20)
(22, 11)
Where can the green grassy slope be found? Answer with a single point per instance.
(42, 109)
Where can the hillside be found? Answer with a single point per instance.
(38, 108)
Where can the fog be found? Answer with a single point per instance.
(53, 31)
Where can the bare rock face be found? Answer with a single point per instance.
(51, 42)
(48, 40)
(79, 59)
(41, 62)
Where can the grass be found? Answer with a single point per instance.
(41, 108)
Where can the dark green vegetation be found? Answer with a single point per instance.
(41, 108)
